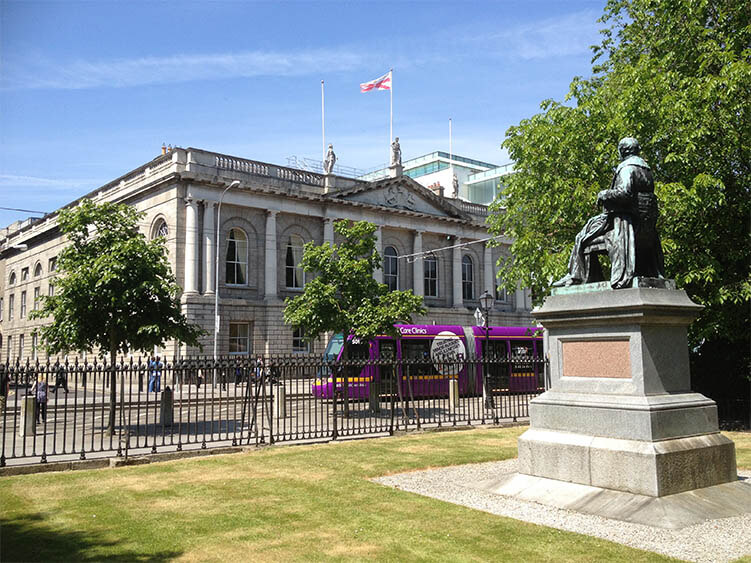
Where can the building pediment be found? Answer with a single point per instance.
(402, 193)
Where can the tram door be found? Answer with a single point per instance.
(386, 373)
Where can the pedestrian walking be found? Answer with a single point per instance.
(239, 375)
(39, 391)
(4, 388)
(155, 374)
(61, 380)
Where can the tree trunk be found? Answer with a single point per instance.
(346, 371)
(113, 393)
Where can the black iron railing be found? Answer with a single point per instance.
(64, 410)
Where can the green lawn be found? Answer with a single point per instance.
(280, 504)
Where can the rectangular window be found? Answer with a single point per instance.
(51, 291)
(239, 339)
(20, 346)
(36, 298)
(10, 347)
(24, 274)
(500, 294)
(23, 304)
(2, 307)
(11, 306)
(431, 277)
(52, 265)
(34, 345)
(299, 344)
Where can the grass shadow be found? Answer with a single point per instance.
(31, 538)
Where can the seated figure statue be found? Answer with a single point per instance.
(626, 229)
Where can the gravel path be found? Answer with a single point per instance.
(715, 540)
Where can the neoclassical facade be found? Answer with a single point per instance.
(436, 246)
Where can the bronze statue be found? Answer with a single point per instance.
(626, 231)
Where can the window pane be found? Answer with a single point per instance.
(391, 268)
(237, 258)
(431, 277)
(468, 291)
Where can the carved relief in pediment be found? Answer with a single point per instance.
(397, 196)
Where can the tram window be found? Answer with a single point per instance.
(522, 354)
(496, 349)
(358, 350)
(417, 354)
(387, 350)
(522, 348)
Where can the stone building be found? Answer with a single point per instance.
(434, 245)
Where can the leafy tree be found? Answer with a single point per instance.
(344, 297)
(114, 291)
(675, 74)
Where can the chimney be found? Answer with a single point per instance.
(164, 148)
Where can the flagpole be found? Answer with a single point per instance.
(323, 129)
(391, 120)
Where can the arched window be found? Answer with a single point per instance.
(237, 258)
(294, 272)
(38, 270)
(12, 279)
(468, 278)
(391, 268)
(160, 229)
(431, 276)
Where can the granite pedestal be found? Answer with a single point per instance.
(619, 413)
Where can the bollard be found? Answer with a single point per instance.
(28, 416)
(453, 395)
(374, 396)
(165, 407)
(280, 401)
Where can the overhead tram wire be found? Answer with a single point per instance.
(23, 210)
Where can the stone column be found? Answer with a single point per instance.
(270, 255)
(378, 272)
(209, 247)
(489, 271)
(418, 266)
(191, 248)
(456, 263)
(328, 230)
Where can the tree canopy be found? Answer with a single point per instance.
(343, 296)
(675, 74)
(114, 289)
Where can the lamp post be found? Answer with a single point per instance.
(486, 302)
(234, 184)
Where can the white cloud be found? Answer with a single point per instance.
(14, 181)
(45, 74)
(563, 36)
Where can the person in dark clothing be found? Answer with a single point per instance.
(61, 380)
(4, 388)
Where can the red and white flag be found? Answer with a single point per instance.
(382, 83)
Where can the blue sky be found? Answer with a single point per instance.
(91, 90)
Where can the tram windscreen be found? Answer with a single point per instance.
(334, 347)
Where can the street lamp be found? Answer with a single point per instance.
(486, 302)
(234, 184)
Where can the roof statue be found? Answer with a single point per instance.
(328, 163)
(396, 153)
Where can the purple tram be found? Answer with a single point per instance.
(431, 356)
